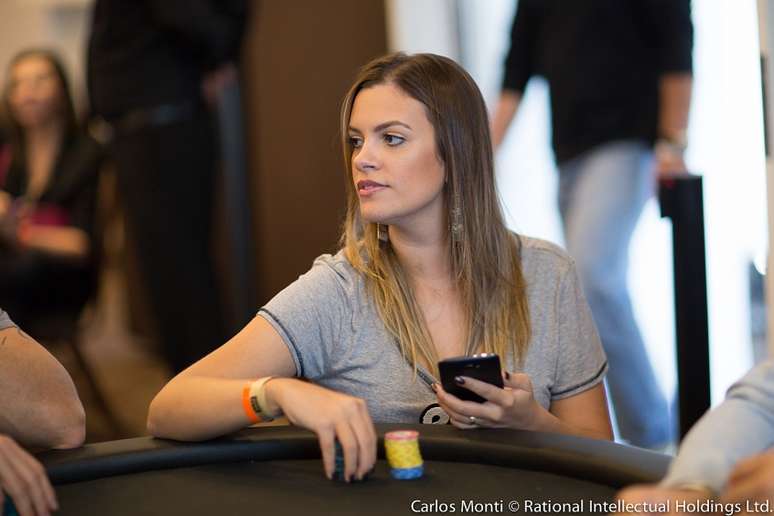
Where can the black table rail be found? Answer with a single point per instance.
(603, 462)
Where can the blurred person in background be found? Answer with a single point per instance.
(153, 67)
(620, 83)
(48, 193)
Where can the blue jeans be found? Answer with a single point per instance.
(601, 196)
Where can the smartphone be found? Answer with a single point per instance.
(484, 367)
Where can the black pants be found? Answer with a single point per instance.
(34, 284)
(166, 178)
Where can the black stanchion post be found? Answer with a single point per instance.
(682, 201)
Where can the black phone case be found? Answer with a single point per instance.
(484, 367)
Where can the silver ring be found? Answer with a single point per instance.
(472, 420)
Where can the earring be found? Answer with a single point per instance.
(456, 219)
(381, 233)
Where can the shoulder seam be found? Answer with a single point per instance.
(583, 383)
(559, 253)
(300, 373)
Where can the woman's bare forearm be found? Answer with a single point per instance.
(194, 408)
(205, 400)
(65, 241)
(548, 422)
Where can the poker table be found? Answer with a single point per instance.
(278, 470)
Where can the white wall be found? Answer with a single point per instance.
(727, 127)
(422, 26)
(766, 41)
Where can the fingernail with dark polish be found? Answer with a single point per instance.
(459, 380)
(507, 375)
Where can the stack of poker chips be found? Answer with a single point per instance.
(8, 509)
(338, 471)
(402, 448)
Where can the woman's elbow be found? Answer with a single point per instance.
(602, 429)
(160, 419)
(605, 435)
(154, 422)
(168, 420)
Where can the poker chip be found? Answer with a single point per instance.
(402, 450)
(338, 471)
(8, 509)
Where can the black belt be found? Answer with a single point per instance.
(163, 114)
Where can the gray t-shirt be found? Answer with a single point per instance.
(337, 339)
(5, 321)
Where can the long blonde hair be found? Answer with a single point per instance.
(485, 255)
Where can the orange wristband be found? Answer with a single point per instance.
(248, 408)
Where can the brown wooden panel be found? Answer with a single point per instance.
(299, 60)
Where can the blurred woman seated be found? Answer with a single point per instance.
(47, 193)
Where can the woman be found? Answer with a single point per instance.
(427, 271)
(47, 193)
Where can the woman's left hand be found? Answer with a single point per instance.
(17, 214)
(5, 203)
(513, 406)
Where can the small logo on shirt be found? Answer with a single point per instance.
(434, 415)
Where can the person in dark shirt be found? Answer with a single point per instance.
(619, 74)
(151, 66)
(47, 194)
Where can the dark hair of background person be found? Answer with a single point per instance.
(15, 133)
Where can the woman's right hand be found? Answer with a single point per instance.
(12, 214)
(331, 415)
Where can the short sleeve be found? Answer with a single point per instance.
(581, 361)
(309, 315)
(5, 321)
(519, 63)
(669, 24)
(213, 30)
